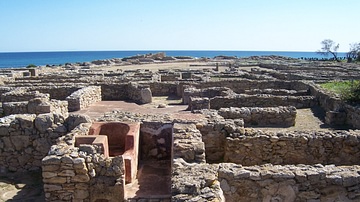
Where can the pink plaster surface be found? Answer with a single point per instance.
(123, 139)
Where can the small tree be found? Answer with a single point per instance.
(329, 46)
(354, 52)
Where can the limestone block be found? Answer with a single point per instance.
(81, 194)
(55, 180)
(20, 142)
(52, 187)
(146, 96)
(81, 178)
(67, 173)
(76, 119)
(46, 174)
(43, 122)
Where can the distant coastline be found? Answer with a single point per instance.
(22, 59)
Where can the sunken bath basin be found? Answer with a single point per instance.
(123, 139)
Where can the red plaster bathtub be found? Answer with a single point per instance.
(123, 139)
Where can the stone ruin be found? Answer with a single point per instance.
(222, 151)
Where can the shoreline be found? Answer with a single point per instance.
(23, 59)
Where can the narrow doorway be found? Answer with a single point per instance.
(154, 170)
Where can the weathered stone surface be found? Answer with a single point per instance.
(256, 116)
(43, 122)
(75, 119)
(256, 148)
(84, 97)
(277, 182)
(195, 182)
(187, 143)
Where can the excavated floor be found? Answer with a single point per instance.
(153, 181)
(173, 109)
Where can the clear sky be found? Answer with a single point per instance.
(269, 25)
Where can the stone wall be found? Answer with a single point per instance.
(14, 108)
(114, 91)
(170, 76)
(206, 92)
(277, 92)
(84, 97)
(81, 173)
(25, 139)
(256, 116)
(139, 93)
(240, 85)
(136, 92)
(214, 132)
(192, 179)
(353, 116)
(156, 140)
(163, 88)
(317, 147)
(243, 100)
(337, 112)
(188, 143)
(198, 103)
(58, 92)
(195, 182)
(289, 183)
(36, 106)
(20, 95)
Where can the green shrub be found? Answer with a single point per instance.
(31, 66)
(349, 91)
(352, 94)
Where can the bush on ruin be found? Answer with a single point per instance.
(349, 91)
(31, 66)
(352, 94)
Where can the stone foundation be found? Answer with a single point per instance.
(188, 143)
(243, 100)
(20, 95)
(289, 183)
(140, 93)
(267, 116)
(25, 139)
(257, 148)
(84, 97)
(36, 106)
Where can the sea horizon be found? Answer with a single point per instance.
(42, 58)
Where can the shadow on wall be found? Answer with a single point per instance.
(27, 186)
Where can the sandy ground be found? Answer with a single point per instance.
(171, 66)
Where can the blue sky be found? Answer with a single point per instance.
(276, 25)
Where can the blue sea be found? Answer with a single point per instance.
(23, 59)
